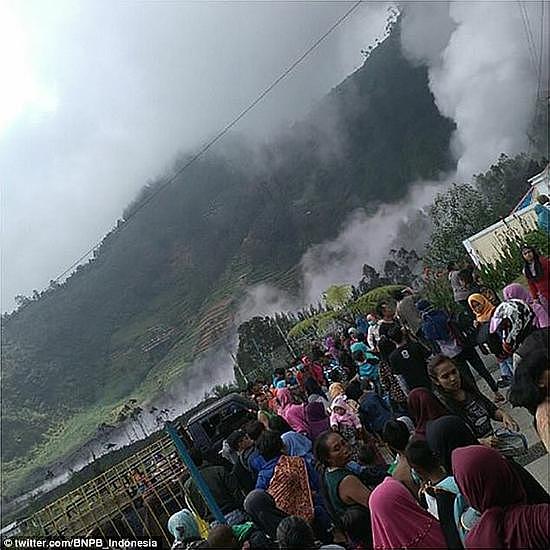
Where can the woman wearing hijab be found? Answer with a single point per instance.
(317, 420)
(490, 485)
(512, 324)
(516, 291)
(447, 433)
(315, 393)
(183, 527)
(398, 521)
(294, 414)
(537, 272)
(483, 310)
(424, 406)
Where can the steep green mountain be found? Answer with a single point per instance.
(164, 284)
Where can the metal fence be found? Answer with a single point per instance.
(132, 499)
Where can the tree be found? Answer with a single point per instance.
(505, 183)
(337, 296)
(456, 215)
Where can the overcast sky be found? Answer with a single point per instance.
(98, 97)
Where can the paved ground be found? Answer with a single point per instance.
(536, 460)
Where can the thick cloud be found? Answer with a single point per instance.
(100, 97)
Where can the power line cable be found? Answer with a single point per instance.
(528, 35)
(221, 133)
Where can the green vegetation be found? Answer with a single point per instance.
(163, 285)
(317, 325)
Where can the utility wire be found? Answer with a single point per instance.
(221, 133)
(528, 34)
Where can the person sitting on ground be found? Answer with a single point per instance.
(289, 479)
(295, 444)
(408, 360)
(243, 445)
(398, 521)
(246, 535)
(441, 493)
(465, 401)
(315, 393)
(397, 435)
(531, 389)
(223, 486)
(489, 484)
(292, 482)
(254, 429)
(343, 488)
(447, 433)
(356, 523)
(294, 533)
(374, 412)
(424, 406)
(183, 527)
(291, 411)
(317, 420)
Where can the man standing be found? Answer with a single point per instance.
(409, 360)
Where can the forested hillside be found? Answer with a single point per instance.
(163, 286)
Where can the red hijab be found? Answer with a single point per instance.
(491, 487)
(424, 406)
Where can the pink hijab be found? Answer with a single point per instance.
(292, 413)
(515, 291)
(493, 488)
(398, 521)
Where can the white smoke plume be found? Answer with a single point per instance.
(363, 239)
(481, 71)
(265, 300)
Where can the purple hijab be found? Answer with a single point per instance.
(515, 291)
(317, 419)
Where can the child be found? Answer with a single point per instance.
(367, 365)
(346, 422)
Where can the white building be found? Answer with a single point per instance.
(485, 247)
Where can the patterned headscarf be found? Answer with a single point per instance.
(519, 320)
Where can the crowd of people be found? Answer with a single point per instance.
(380, 437)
